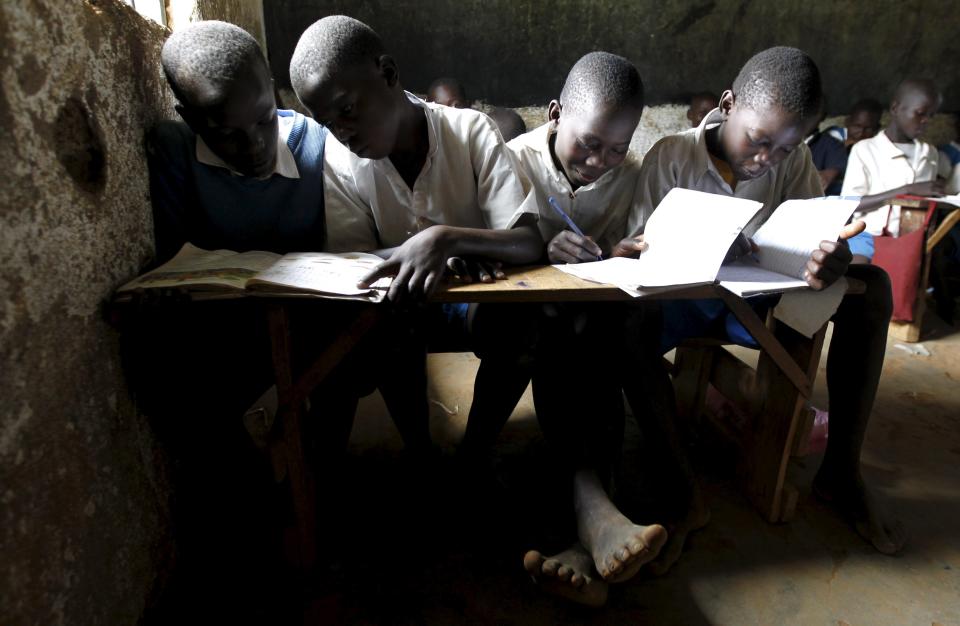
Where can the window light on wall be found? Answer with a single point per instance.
(151, 9)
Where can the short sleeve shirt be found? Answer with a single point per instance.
(470, 179)
(877, 165)
(682, 160)
(599, 209)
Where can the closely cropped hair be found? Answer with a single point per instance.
(910, 86)
(782, 77)
(451, 83)
(867, 105)
(204, 58)
(336, 41)
(601, 78)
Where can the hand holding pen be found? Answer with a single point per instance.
(571, 246)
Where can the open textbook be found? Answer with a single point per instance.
(226, 272)
(690, 233)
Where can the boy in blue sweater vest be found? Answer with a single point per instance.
(237, 173)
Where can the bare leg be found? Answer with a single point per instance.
(853, 375)
(569, 574)
(618, 546)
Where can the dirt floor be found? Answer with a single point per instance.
(441, 552)
(400, 545)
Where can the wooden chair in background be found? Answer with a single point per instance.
(913, 211)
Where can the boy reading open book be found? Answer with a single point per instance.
(751, 147)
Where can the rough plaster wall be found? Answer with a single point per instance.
(517, 53)
(82, 503)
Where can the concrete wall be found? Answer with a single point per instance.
(518, 53)
(83, 500)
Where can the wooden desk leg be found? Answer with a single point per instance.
(770, 440)
(290, 415)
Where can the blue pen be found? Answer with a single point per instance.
(566, 218)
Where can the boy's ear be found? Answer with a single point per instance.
(727, 100)
(553, 110)
(388, 69)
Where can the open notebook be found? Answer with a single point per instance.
(688, 236)
(227, 272)
(690, 233)
(785, 243)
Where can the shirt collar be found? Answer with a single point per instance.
(889, 149)
(701, 156)
(429, 110)
(286, 164)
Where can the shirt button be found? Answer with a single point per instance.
(572, 196)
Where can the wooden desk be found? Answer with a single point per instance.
(778, 390)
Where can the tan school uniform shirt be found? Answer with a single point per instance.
(599, 209)
(682, 160)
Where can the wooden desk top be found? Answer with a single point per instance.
(548, 284)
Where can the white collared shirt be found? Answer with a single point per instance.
(682, 160)
(599, 209)
(285, 166)
(469, 179)
(878, 165)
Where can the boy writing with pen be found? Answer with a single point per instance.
(580, 165)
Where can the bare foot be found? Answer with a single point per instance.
(618, 546)
(569, 575)
(854, 500)
(696, 517)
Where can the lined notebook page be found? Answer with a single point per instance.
(795, 230)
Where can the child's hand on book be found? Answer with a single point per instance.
(569, 247)
(830, 261)
(418, 266)
(630, 247)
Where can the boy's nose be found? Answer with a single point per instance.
(596, 159)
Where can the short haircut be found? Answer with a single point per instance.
(451, 83)
(866, 105)
(203, 59)
(911, 86)
(782, 77)
(509, 122)
(332, 43)
(602, 79)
